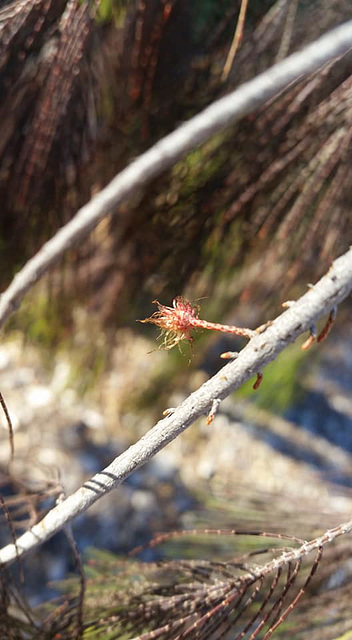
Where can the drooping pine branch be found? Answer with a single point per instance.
(248, 595)
(331, 290)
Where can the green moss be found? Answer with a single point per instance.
(40, 321)
(200, 165)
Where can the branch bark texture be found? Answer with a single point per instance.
(332, 289)
(170, 149)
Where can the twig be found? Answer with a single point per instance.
(9, 424)
(334, 287)
(236, 40)
(82, 580)
(246, 99)
(326, 330)
(212, 413)
(288, 31)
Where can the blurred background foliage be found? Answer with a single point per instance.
(98, 82)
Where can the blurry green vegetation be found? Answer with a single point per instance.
(87, 364)
(39, 320)
(199, 166)
(174, 370)
(215, 546)
(55, 325)
(281, 384)
(109, 10)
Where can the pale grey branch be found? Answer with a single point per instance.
(170, 149)
(334, 287)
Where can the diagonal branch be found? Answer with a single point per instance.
(243, 101)
(332, 289)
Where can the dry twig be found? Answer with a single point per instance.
(236, 40)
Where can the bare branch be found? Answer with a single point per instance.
(334, 287)
(170, 149)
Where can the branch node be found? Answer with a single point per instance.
(313, 336)
(258, 381)
(328, 326)
(213, 411)
(229, 355)
(169, 411)
(264, 327)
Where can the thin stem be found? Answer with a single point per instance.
(198, 323)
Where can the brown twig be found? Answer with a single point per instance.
(236, 40)
(9, 424)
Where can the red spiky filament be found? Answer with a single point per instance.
(178, 322)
